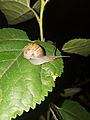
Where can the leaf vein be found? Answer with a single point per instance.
(10, 65)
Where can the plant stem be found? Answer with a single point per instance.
(43, 3)
(40, 19)
(54, 116)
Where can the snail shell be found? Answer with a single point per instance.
(33, 51)
(36, 54)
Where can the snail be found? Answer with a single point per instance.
(36, 54)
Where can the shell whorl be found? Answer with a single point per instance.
(33, 50)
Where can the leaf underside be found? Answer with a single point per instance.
(17, 11)
(23, 85)
(77, 46)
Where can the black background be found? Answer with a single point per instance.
(63, 20)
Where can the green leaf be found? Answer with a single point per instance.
(70, 92)
(22, 84)
(17, 11)
(72, 110)
(77, 46)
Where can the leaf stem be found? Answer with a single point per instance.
(35, 14)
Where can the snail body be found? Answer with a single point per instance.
(36, 55)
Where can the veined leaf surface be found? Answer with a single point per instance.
(72, 110)
(22, 84)
(77, 46)
(17, 11)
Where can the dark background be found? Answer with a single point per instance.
(63, 20)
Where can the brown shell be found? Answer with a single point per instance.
(33, 50)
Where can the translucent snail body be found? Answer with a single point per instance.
(36, 55)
